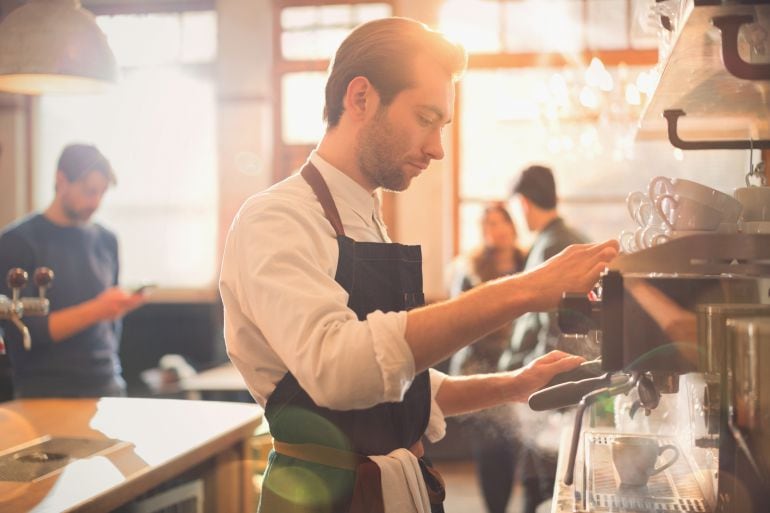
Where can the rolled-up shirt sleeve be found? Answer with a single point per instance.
(437, 423)
(278, 273)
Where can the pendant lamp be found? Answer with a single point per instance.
(54, 46)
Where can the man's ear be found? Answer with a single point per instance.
(526, 206)
(360, 97)
(61, 179)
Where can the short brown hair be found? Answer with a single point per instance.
(76, 160)
(383, 51)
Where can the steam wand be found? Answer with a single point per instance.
(17, 307)
(614, 389)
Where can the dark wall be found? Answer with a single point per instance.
(193, 330)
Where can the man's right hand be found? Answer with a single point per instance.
(116, 302)
(107, 306)
(436, 331)
(576, 269)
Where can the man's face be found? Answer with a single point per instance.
(82, 197)
(398, 141)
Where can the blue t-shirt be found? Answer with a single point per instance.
(84, 260)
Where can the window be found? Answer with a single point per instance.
(158, 129)
(309, 35)
(596, 159)
(561, 83)
(315, 32)
(520, 26)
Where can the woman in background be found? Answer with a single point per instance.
(494, 448)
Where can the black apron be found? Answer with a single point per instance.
(377, 276)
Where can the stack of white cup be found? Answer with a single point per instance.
(675, 207)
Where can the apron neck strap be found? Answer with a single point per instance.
(313, 177)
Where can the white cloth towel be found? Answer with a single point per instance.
(403, 487)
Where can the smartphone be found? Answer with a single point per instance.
(144, 288)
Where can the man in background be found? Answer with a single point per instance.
(75, 348)
(537, 333)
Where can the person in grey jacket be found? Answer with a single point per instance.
(536, 333)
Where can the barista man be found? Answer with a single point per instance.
(324, 315)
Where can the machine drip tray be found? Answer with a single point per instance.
(35, 460)
(675, 489)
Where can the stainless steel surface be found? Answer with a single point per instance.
(748, 385)
(712, 330)
(703, 254)
(674, 489)
(718, 105)
(34, 461)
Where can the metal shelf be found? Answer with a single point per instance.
(722, 110)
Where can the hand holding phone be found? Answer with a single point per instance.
(143, 289)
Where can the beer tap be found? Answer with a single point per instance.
(15, 308)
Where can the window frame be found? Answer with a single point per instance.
(288, 157)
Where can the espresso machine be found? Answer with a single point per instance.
(684, 336)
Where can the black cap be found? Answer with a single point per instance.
(536, 183)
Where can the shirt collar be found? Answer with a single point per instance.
(345, 189)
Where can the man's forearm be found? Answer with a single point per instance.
(437, 331)
(458, 395)
(66, 322)
(466, 394)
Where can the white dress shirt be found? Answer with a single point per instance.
(285, 312)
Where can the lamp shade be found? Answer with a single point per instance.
(54, 46)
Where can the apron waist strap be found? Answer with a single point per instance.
(320, 455)
(331, 457)
(367, 493)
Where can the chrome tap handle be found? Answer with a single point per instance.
(38, 306)
(16, 279)
(7, 307)
(34, 306)
(43, 278)
(19, 306)
(26, 338)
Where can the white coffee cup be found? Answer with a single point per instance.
(755, 201)
(641, 209)
(627, 240)
(683, 213)
(654, 234)
(729, 207)
(634, 458)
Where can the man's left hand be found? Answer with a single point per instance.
(539, 372)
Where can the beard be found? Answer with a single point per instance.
(378, 148)
(77, 216)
